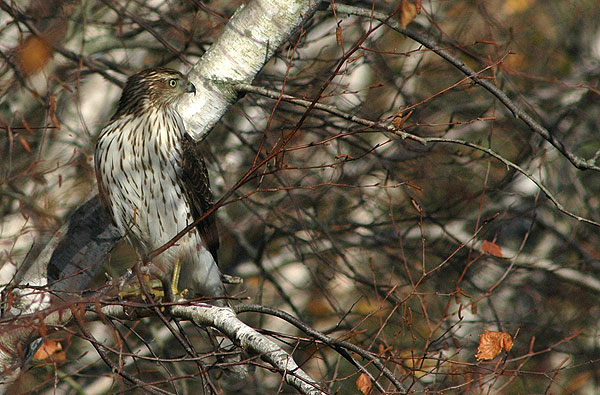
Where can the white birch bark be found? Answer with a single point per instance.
(249, 40)
(225, 320)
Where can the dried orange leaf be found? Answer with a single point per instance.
(409, 12)
(399, 119)
(515, 6)
(33, 54)
(27, 126)
(363, 383)
(338, 35)
(47, 350)
(491, 344)
(489, 247)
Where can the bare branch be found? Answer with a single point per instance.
(517, 111)
(225, 320)
(422, 140)
(340, 345)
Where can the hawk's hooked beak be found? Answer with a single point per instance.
(191, 88)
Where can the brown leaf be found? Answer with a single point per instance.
(33, 54)
(400, 119)
(491, 344)
(338, 35)
(27, 126)
(515, 6)
(363, 383)
(409, 12)
(489, 247)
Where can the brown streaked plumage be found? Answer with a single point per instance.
(153, 180)
(198, 192)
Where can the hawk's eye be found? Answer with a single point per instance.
(173, 83)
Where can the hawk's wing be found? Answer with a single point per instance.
(196, 186)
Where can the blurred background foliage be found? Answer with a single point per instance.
(359, 233)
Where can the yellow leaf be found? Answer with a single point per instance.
(491, 344)
(363, 383)
(409, 12)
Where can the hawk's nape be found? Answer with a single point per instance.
(154, 183)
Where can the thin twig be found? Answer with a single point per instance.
(422, 140)
(114, 367)
(517, 111)
(91, 64)
(338, 345)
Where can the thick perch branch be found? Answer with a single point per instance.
(220, 318)
(225, 320)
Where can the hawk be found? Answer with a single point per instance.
(153, 182)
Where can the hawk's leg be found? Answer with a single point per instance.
(169, 280)
(145, 286)
(175, 279)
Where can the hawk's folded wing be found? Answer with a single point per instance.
(196, 186)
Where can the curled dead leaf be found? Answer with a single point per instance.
(24, 144)
(491, 344)
(399, 119)
(511, 7)
(363, 383)
(338, 35)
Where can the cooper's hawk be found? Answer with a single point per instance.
(153, 181)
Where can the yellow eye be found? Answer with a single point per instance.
(173, 83)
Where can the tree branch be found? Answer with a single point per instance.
(517, 111)
(339, 345)
(422, 140)
(225, 320)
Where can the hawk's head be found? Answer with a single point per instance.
(160, 88)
